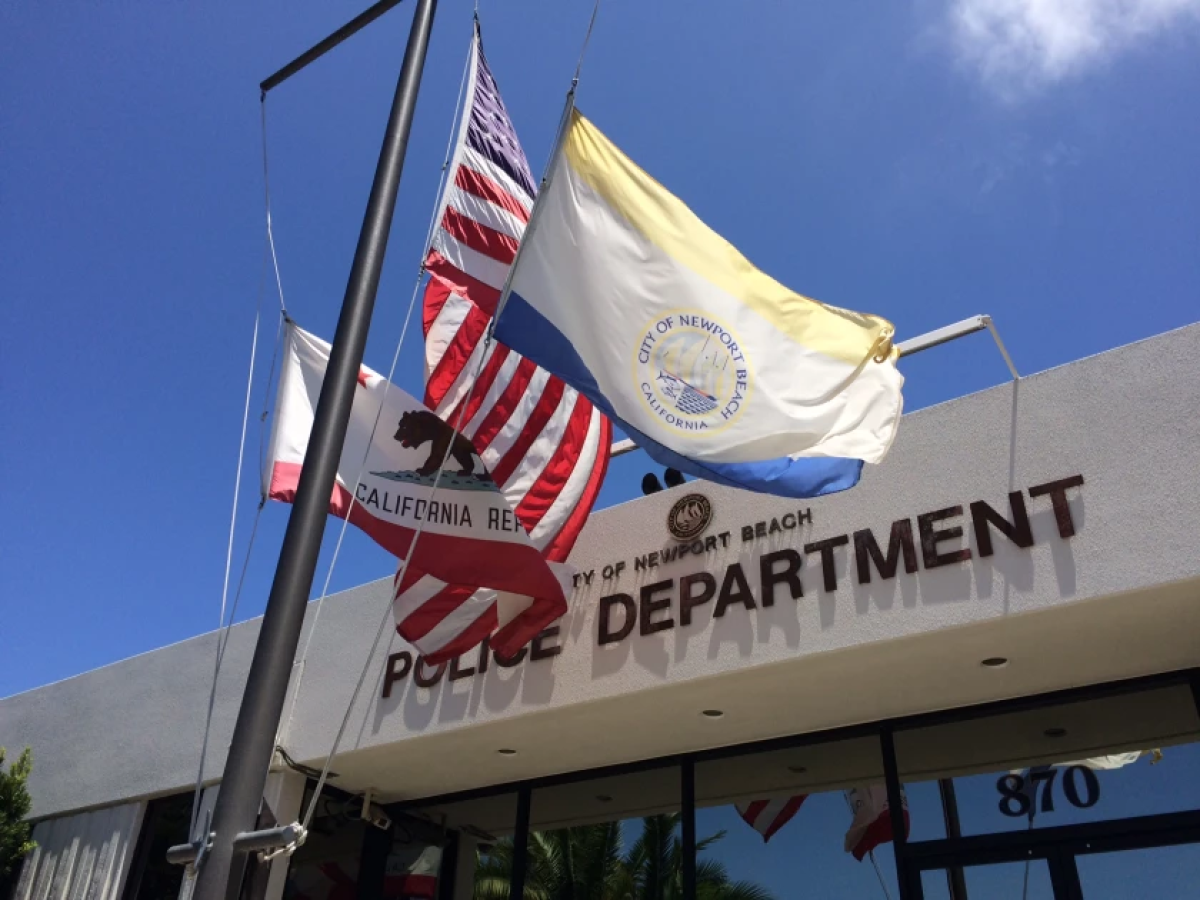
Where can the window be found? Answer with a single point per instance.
(807, 821)
(613, 836)
(414, 858)
(1124, 755)
(478, 844)
(344, 853)
(1149, 872)
(327, 866)
(166, 825)
(1029, 880)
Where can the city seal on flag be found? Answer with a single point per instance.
(691, 372)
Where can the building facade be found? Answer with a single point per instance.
(998, 631)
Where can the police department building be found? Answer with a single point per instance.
(996, 634)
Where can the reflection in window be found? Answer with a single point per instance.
(326, 866)
(1152, 872)
(414, 860)
(811, 821)
(1113, 757)
(338, 852)
(1028, 880)
(618, 837)
(484, 830)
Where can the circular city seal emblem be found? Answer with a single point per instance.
(691, 373)
(689, 517)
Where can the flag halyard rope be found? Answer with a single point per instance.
(587, 37)
(267, 200)
(223, 627)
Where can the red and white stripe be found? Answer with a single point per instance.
(768, 816)
(546, 446)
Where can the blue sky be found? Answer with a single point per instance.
(926, 161)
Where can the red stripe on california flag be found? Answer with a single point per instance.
(559, 548)
(485, 189)
(544, 491)
(437, 292)
(470, 638)
(538, 419)
(457, 352)
(482, 295)
(504, 406)
(459, 419)
(479, 237)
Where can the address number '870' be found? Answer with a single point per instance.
(1018, 794)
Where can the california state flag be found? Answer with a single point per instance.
(872, 824)
(468, 535)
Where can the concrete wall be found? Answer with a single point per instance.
(1124, 420)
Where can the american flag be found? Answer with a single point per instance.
(545, 444)
(768, 816)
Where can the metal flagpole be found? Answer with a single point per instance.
(221, 864)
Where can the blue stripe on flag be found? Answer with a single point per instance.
(528, 332)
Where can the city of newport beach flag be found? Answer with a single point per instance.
(710, 365)
(469, 535)
(768, 816)
(872, 821)
(545, 444)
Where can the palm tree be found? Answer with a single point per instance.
(585, 863)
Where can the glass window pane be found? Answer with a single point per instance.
(326, 865)
(165, 826)
(785, 822)
(1001, 881)
(483, 830)
(413, 865)
(335, 856)
(618, 836)
(1113, 757)
(1154, 872)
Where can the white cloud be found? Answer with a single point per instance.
(1019, 46)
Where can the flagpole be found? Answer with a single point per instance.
(221, 866)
